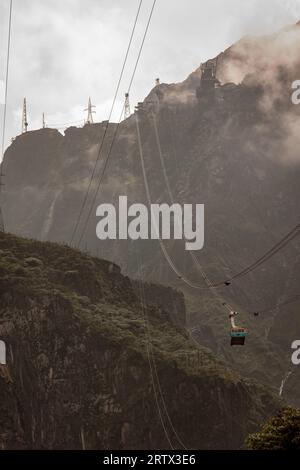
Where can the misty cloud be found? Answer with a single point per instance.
(272, 63)
(64, 52)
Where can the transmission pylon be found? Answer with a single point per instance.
(126, 106)
(24, 117)
(90, 112)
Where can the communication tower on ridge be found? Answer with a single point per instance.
(24, 117)
(90, 112)
(127, 106)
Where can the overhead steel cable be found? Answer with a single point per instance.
(207, 280)
(161, 243)
(171, 197)
(285, 239)
(107, 123)
(277, 247)
(288, 301)
(153, 368)
(5, 106)
(180, 441)
(6, 77)
(291, 235)
(151, 359)
(117, 127)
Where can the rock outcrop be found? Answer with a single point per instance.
(91, 369)
(235, 150)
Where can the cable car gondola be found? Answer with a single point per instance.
(238, 334)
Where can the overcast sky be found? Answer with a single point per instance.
(63, 51)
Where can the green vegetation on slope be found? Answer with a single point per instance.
(80, 356)
(100, 296)
(280, 433)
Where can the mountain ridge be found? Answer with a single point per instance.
(234, 150)
(81, 374)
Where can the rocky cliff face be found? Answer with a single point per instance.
(235, 150)
(165, 299)
(91, 369)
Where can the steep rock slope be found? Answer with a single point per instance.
(235, 150)
(79, 356)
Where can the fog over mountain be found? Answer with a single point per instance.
(64, 52)
(233, 149)
(124, 344)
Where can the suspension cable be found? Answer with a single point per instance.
(161, 243)
(291, 235)
(150, 360)
(107, 123)
(5, 108)
(6, 78)
(288, 301)
(117, 128)
(270, 253)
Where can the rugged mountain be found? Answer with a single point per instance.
(90, 368)
(233, 148)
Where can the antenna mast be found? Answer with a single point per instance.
(44, 122)
(127, 106)
(90, 112)
(24, 117)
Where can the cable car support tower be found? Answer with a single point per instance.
(127, 111)
(24, 117)
(90, 112)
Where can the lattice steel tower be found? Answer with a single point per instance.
(90, 112)
(24, 117)
(127, 106)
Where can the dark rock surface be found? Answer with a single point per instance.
(87, 366)
(236, 151)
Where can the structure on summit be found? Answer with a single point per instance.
(90, 112)
(126, 106)
(209, 75)
(24, 117)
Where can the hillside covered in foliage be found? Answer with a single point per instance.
(92, 367)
